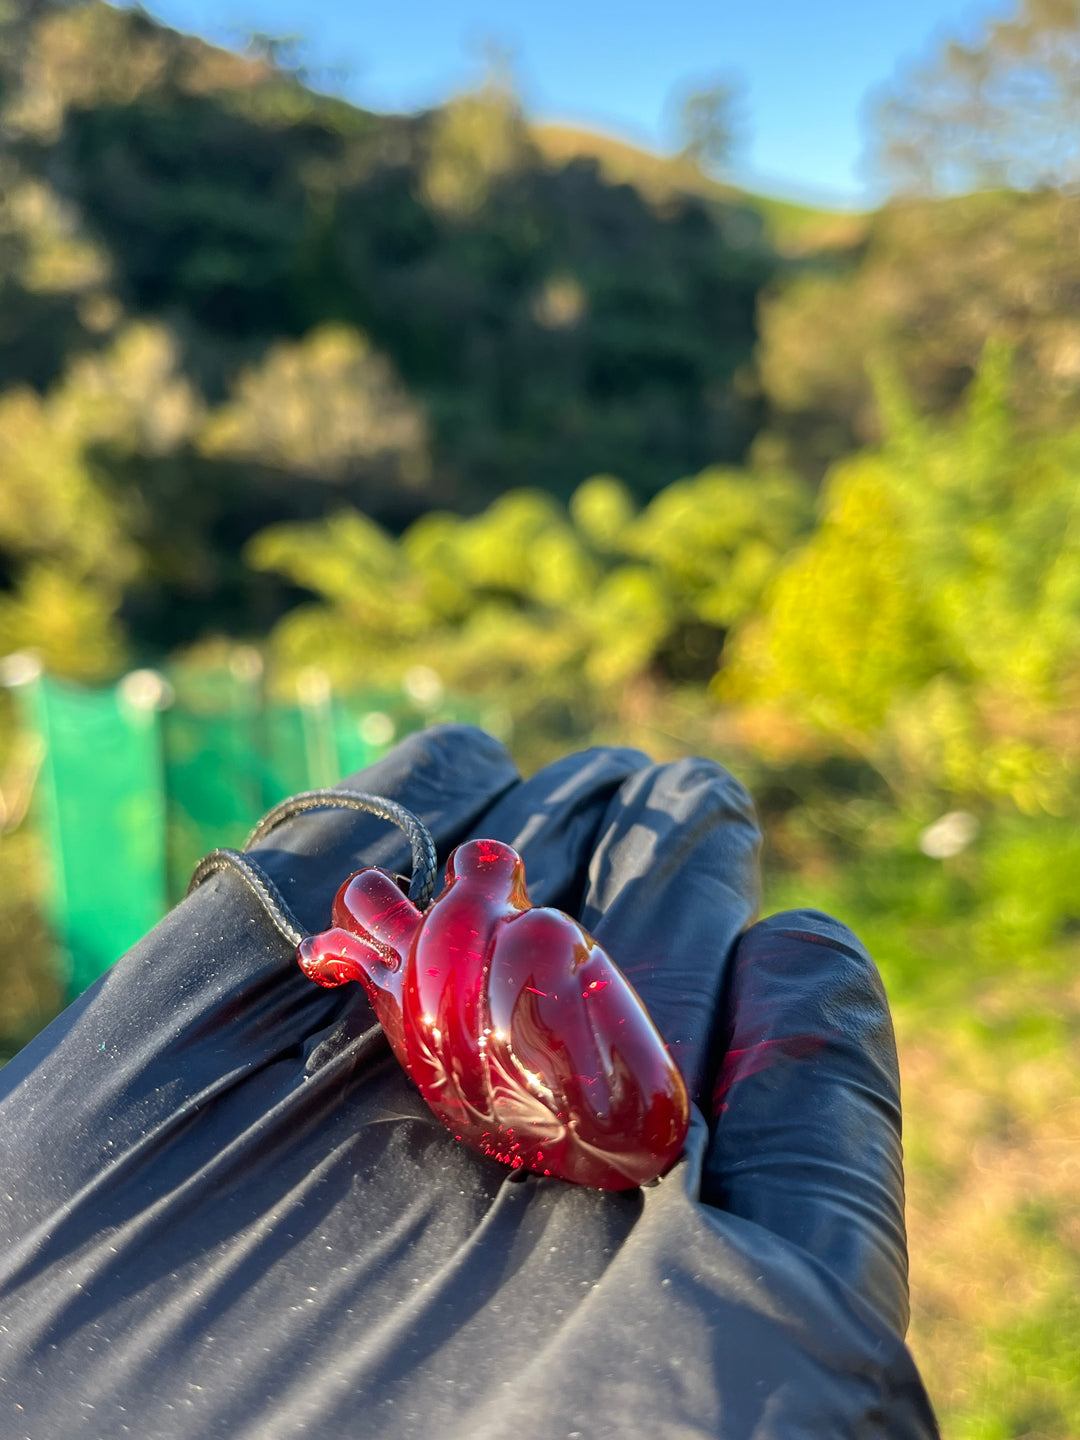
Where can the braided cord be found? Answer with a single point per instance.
(256, 878)
(425, 859)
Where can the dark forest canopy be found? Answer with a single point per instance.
(502, 319)
(228, 302)
(513, 297)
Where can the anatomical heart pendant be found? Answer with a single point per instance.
(524, 1038)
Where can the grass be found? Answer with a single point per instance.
(982, 964)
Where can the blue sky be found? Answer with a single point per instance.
(807, 68)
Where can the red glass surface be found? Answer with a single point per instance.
(524, 1038)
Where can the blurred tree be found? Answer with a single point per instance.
(68, 56)
(65, 536)
(934, 279)
(529, 605)
(929, 285)
(54, 279)
(709, 124)
(474, 139)
(68, 621)
(317, 422)
(328, 407)
(1000, 112)
(932, 622)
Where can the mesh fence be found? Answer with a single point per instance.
(141, 780)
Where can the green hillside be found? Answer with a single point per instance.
(791, 228)
(501, 317)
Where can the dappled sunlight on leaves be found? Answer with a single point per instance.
(933, 621)
(326, 406)
(529, 601)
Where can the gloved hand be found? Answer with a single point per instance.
(226, 1212)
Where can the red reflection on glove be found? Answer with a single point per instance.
(522, 1036)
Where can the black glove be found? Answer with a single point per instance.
(226, 1212)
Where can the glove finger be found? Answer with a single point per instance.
(806, 1140)
(672, 881)
(553, 820)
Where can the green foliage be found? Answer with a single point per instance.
(716, 540)
(927, 285)
(528, 603)
(30, 989)
(978, 954)
(386, 312)
(328, 406)
(70, 624)
(220, 189)
(474, 140)
(843, 631)
(933, 620)
(1028, 1378)
(119, 488)
(65, 538)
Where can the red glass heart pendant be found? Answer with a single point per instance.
(524, 1038)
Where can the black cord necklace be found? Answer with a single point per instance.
(425, 863)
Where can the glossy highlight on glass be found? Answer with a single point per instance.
(524, 1038)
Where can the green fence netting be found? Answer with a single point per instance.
(138, 781)
(100, 801)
